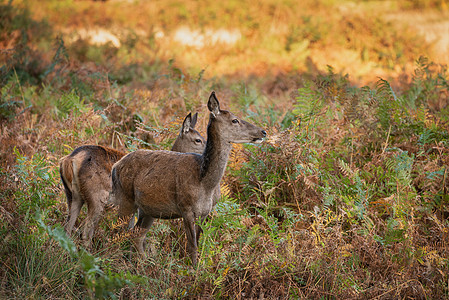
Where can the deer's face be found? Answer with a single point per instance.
(231, 128)
(236, 130)
(193, 142)
(189, 140)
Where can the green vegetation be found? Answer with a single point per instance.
(347, 198)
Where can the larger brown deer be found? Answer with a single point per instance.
(167, 185)
(85, 174)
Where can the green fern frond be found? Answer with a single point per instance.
(346, 169)
(384, 88)
(308, 103)
(70, 102)
(400, 166)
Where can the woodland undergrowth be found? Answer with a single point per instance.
(346, 199)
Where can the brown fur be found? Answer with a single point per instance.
(85, 174)
(169, 185)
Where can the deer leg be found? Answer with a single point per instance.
(69, 204)
(144, 222)
(95, 206)
(199, 231)
(191, 233)
(74, 211)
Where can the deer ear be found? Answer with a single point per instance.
(193, 121)
(213, 105)
(186, 124)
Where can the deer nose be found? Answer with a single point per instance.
(264, 133)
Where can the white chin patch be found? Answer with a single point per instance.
(254, 141)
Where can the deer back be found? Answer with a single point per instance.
(144, 176)
(88, 167)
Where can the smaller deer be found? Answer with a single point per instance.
(168, 185)
(86, 176)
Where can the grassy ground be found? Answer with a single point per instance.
(346, 199)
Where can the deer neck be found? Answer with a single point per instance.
(215, 157)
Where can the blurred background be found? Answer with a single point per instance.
(236, 38)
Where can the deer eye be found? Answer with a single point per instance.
(197, 141)
(235, 121)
